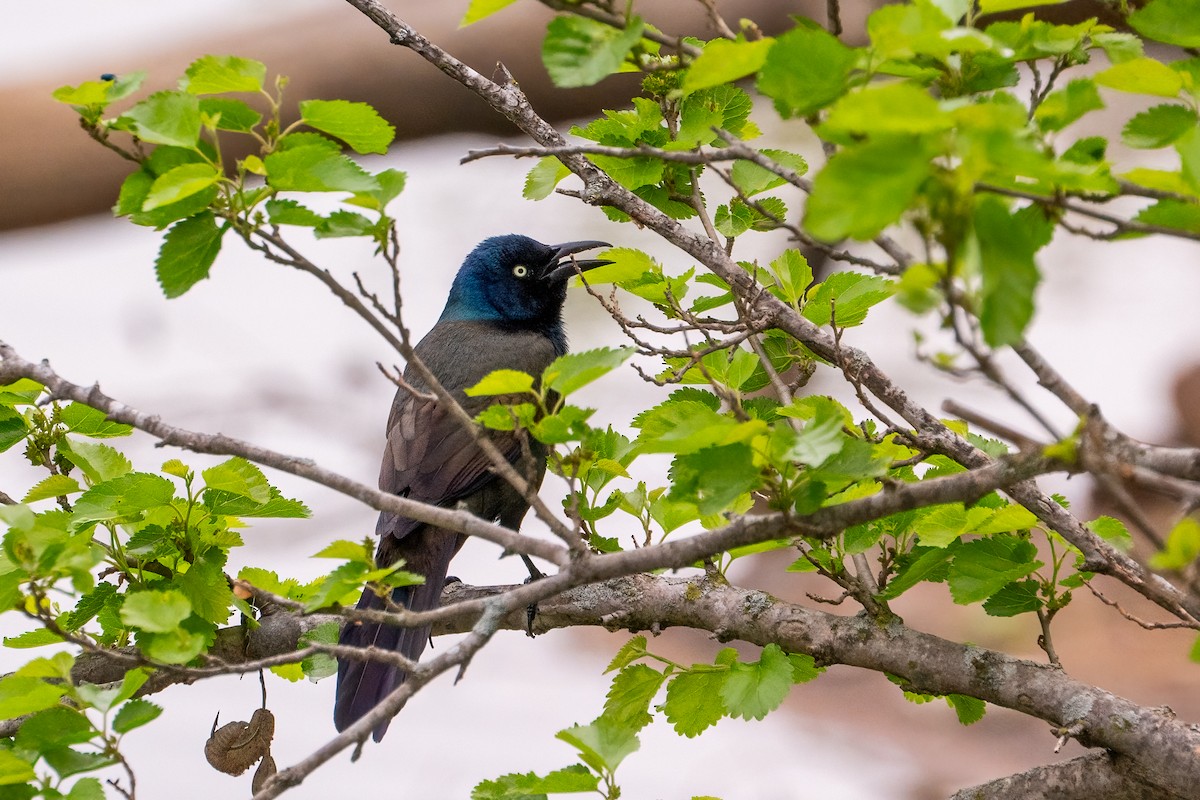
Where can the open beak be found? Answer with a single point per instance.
(564, 264)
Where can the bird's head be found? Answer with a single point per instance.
(516, 280)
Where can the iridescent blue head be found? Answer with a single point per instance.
(518, 282)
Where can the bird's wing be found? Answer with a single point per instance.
(433, 458)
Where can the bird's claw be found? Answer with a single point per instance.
(531, 609)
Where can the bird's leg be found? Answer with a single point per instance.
(531, 609)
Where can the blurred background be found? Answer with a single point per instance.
(264, 354)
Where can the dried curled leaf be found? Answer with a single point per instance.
(266, 770)
(234, 747)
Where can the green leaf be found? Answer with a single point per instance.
(135, 714)
(751, 179)
(983, 567)
(12, 428)
(357, 124)
(889, 108)
(631, 651)
(1141, 76)
(52, 486)
(1112, 531)
(88, 421)
(1183, 546)
(1172, 21)
(207, 590)
(969, 709)
(628, 265)
(893, 166)
(805, 70)
(804, 667)
(154, 611)
(67, 762)
(479, 9)
(23, 694)
(924, 563)
(55, 727)
(238, 476)
(694, 701)
(513, 786)
(571, 372)
(1063, 106)
(187, 253)
(86, 789)
(14, 770)
(1019, 597)
(569, 780)
(845, 298)
(98, 461)
(316, 168)
(171, 118)
(602, 745)
(230, 114)
(792, 275)
(753, 690)
(1159, 126)
(723, 61)
(685, 426)
(123, 497)
(502, 381)
(39, 637)
(1171, 214)
(220, 74)
(179, 646)
(578, 51)
(179, 183)
(998, 6)
(629, 696)
(714, 477)
(541, 180)
(289, 212)
(1007, 244)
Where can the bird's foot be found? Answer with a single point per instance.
(531, 609)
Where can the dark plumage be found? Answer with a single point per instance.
(504, 312)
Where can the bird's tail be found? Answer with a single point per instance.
(362, 684)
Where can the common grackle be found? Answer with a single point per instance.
(504, 312)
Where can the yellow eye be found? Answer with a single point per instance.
(520, 270)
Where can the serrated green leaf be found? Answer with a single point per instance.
(805, 70)
(357, 124)
(179, 646)
(230, 114)
(893, 166)
(52, 486)
(724, 60)
(171, 118)
(187, 253)
(845, 297)
(983, 567)
(513, 786)
(88, 421)
(569, 780)
(23, 694)
(1007, 244)
(1141, 76)
(578, 51)
(1064, 106)
(14, 769)
(207, 590)
(628, 265)
(238, 476)
(714, 477)
(753, 690)
(969, 709)
(316, 168)
(1112, 531)
(122, 497)
(541, 180)
(179, 183)
(1172, 21)
(1182, 548)
(571, 372)
(135, 714)
(481, 9)
(12, 428)
(155, 611)
(39, 637)
(629, 697)
(888, 108)
(922, 564)
(631, 651)
(694, 701)
(219, 74)
(289, 212)
(1159, 126)
(502, 381)
(1018, 597)
(55, 727)
(602, 745)
(792, 275)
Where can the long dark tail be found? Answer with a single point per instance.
(362, 684)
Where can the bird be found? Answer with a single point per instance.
(504, 311)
